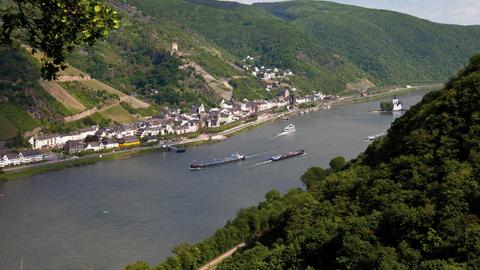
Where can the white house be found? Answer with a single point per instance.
(225, 116)
(302, 100)
(320, 95)
(46, 141)
(30, 156)
(192, 126)
(89, 131)
(11, 159)
(225, 105)
(201, 109)
(127, 131)
(94, 146)
(180, 130)
(151, 131)
(109, 143)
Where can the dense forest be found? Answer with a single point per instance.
(389, 46)
(326, 44)
(410, 201)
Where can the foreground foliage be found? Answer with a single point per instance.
(411, 201)
(56, 27)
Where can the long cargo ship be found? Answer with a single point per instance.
(287, 155)
(202, 165)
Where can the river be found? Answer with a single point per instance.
(107, 215)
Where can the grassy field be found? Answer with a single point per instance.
(97, 85)
(7, 129)
(118, 114)
(62, 96)
(89, 96)
(94, 84)
(71, 71)
(18, 117)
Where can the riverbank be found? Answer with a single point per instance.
(56, 165)
(390, 92)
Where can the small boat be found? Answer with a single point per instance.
(372, 138)
(289, 129)
(287, 155)
(176, 149)
(202, 165)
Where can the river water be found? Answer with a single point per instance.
(107, 215)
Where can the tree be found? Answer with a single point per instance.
(56, 27)
(337, 163)
(313, 175)
(386, 106)
(138, 266)
(16, 142)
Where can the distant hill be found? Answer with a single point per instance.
(244, 30)
(390, 47)
(325, 43)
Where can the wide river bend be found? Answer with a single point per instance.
(107, 215)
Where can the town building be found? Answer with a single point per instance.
(73, 147)
(30, 156)
(109, 143)
(93, 146)
(129, 141)
(10, 158)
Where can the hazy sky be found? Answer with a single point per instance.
(464, 12)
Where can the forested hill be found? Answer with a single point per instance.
(327, 44)
(411, 201)
(389, 46)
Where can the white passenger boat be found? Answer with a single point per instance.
(289, 129)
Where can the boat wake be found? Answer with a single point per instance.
(290, 129)
(263, 162)
(258, 164)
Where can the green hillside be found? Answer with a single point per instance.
(390, 47)
(244, 30)
(411, 201)
(136, 58)
(325, 43)
(24, 105)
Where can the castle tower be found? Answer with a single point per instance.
(174, 49)
(397, 104)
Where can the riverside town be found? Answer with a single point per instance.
(170, 126)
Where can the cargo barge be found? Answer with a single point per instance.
(202, 165)
(287, 155)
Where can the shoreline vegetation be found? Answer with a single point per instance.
(225, 132)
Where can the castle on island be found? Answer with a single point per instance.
(397, 104)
